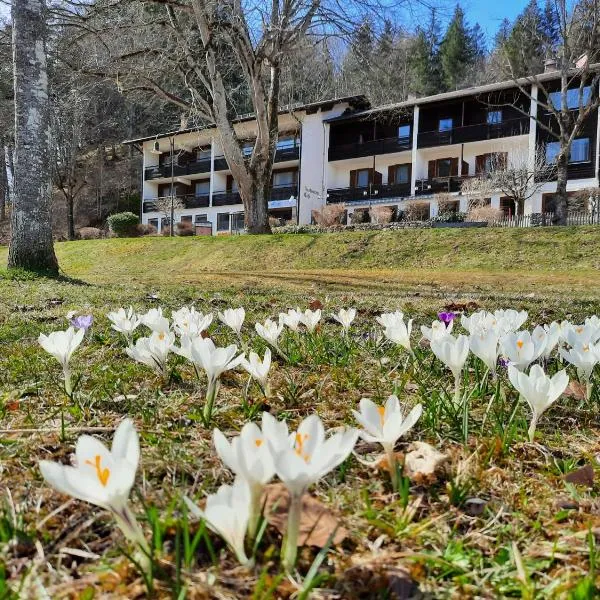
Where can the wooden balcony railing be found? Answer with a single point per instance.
(191, 168)
(369, 193)
(473, 133)
(370, 148)
(440, 185)
(188, 200)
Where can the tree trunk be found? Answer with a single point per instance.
(31, 245)
(70, 217)
(561, 198)
(3, 181)
(255, 196)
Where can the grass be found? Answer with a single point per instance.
(480, 260)
(535, 536)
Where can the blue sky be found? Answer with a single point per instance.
(489, 13)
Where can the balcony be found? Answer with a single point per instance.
(164, 171)
(226, 198)
(370, 193)
(440, 185)
(188, 201)
(474, 133)
(371, 148)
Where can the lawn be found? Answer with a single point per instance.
(503, 517)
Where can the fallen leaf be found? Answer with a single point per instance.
(315, 305)
(474, 506)
(317, 522)
(566, 504)
(582, 476)
(575, 390)
(423, 462)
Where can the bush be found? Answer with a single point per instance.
(360, 215)
(331, 214)
(185, 228)
(123, 224)
(485, 214)
(89, 233)
(381, 214)
(146, 229)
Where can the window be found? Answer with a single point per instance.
(202, 154)
(287, 142)
(247, 148)
(445, 124)
(580, 151)
(402, 174)
(203, 188)
(444, 167)
(362, 177)
(404, 132)
(572, 98)
(201, 218)
(223, 222)
(153, 223)
(237, 221)
(284, 178)
(165, 222)
(186, 218)
(494, 117)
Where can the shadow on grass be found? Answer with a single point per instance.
(17, 274)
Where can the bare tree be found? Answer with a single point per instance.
(166, 206)
(518, 177)
(216, 59)
(578, 75)
(31, 245)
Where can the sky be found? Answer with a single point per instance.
(490, 13)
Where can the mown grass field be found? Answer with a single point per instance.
(501, 521)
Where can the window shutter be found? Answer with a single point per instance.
(431, 169)
(409, 165)
(454, 166)
(465, 168)
(229, 184)
(392, 174)
(353, 178)
(480, 164)
(378, 177)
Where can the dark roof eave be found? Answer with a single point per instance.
(359, 101)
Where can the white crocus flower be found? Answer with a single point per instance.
(214, 361)
(553, 337)
(485, 346)
(62, 344)
(310, 319)
(227, 513)
(399, 332)
(479, 322)
(510, 320)
(259, 369)
(388, 320)
(249, 457)
(521, 348)
(453, 352)
(234, 319)
(291, 319)
(124, 321)
(270, 332)
(579, 335)
(385, 425)
(153, 351)
(345, 317)
(155, 320)
(437, 330)
(301, 459)
(189, 321)
(584, 357)
(103, 477)
(539, 390)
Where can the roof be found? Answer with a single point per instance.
(469, 91)
(359, 102)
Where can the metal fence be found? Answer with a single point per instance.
(547, 219)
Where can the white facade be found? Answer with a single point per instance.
(305, 171)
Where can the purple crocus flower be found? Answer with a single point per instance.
(446, 317)
(504, 362)
(82, 322)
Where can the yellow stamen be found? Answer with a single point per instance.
(101, 474)
(299, 446)
(161, 336)
(381, 411)
(258, 442)
(519, 344)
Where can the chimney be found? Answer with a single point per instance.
(550, 64)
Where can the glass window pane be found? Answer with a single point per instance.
(222, 221)
(202, 188)
(580, 150)
(283, 178)
(404, 131)
(494, 117)
(572, 98)
(202, 154)
(402, 174)
(445, 124)
(362, 178)
(201, 218)
(552, 149)
(285, 142)
(443, 167)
